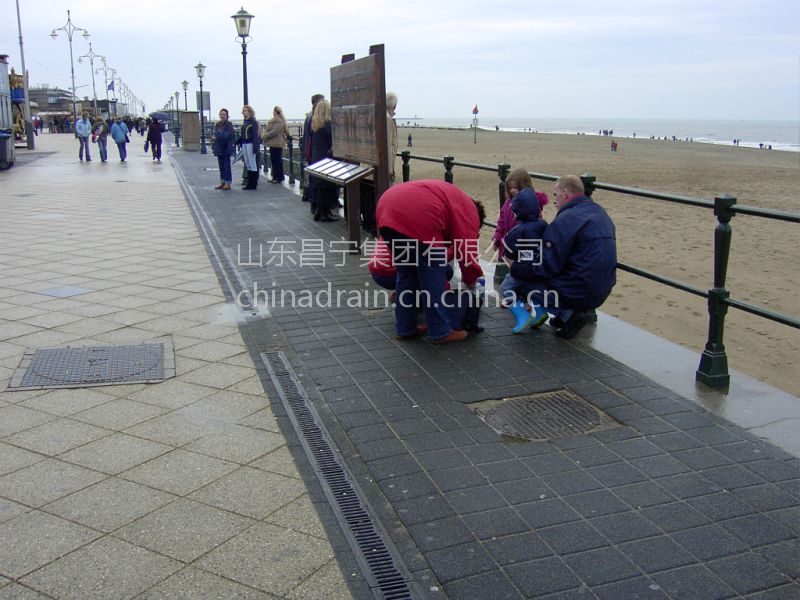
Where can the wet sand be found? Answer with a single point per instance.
(672, 240)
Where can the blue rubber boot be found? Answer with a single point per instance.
(525, 318)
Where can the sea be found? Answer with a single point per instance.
(780, 135)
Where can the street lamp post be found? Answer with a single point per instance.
(185, 85)
(91, 55)
(177, 120)
(26, 107)
(242, 20)
(70, 29)
(201, 71)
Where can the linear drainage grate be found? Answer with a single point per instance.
(540, 417)
(378, 560)
(93, 365)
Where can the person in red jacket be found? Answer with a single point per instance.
(422, 222)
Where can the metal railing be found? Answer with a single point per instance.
(713, 368)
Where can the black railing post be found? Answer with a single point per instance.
(588, 184)
(448, 168)
(290, 145)
(406, 156)
(713, 369)
(502, 172)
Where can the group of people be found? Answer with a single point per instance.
(99, 130)
(225, 140)
(559, 271)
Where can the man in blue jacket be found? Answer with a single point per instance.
(579, 259)
(83, 129)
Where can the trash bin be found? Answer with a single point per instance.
(6, 149)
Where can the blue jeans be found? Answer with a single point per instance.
(224, 163)
(84, 144)
(123, 150)
(102, 146)
(429, 280)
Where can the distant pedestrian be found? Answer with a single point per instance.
(222, 145)
(100, 135)
(249, 141)
(410, 141)
(83, 129)
(275, 139)
(155, 139)
(119, 133)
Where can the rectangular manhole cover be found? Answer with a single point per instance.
(541, 417)
(86, 366)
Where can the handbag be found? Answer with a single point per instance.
(239, 156)
(146, 145)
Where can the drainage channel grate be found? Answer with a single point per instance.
(541, 417)
(93, 365)
(379, 561)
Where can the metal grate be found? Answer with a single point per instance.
(93, 365)
(542, 417)
(378, 560)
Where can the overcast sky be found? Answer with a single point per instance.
(729, 59)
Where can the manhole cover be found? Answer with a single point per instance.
(543, 416)
(93, 365)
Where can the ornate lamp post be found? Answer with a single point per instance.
(177, 119)
(91, 55)
(70, 29)
(185, 85)
(201, 71)
(242, 20)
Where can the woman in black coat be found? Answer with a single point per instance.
(326, 193)
(154, 139)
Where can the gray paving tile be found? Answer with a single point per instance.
(640, 588)
(119, 414)
(605, 565)
(15, 591)
(46, 481)
(572, 537)
(34, 539)
(110, 504)
(66, 402)
(14, 419)
(179, 472)
(10, 510)
(108, 569)
(441, 533)
(172, 394)
(693, 583)
(757, 530)
(459, 562)
(224, 406)
(238, 444)
(176, 429)
(674, 516)
(657, 553)
(251, 492)
(541, 577)
(547, 512)
(193, 584)
(625, 527)
(56, 437)
(13, 458)
(115, 453)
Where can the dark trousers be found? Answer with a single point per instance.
(276, 160)
(156, 148)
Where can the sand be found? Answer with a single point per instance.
(672, 240)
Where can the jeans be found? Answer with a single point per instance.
(429, 280)
(276, 160)
(84, 144)
(224, 163)
(156, 148)
(102, 146)
(123, 150)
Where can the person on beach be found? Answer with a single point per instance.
(326, 193)
(275, 139)
(119, 133)
(249, 141)
(222, 145)
(155, 138)
(410, 141)
(579, 259)
(523, 244)
(420, 221)
(83, 129)
(100, 135)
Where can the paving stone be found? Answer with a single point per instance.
(640, 588)
(433, 535)
(742, 452)
(572, 537)
(524, 490)
(783, 556)
(674, 441)
(659, 466)
(370, 451)
(108, 569)
(571, 482)
(657, 554)
(616, 474)
(191, 583)
(730, 477)
(540, 577)
(179, 472)
(14, 419)
(56, 436)
(115, 453)
(765, 497)
(13, 458)
(702, 458)
(65, 402)
(475, 499)
(422, 509)
(693, 583)
(643, 494)
(674, 516)
(14, 591)
(442, 459)
(459, 562)
(458, 479)
(177, 429)
(605, 565)
(328, 582)
(34, 539)
(723, 505)
(547, 512)
(596, 503)
(172, 394)
(688, 485)
(477, 586)
(785, 592)
(238, 444)
(707, 543)
(624, 527)
(110, 504)
(278, 461)
(547, 464)
(10, 510)
(119, 414)
(775, 470)
(518, 548)
(495, 523)
(757, 530)
(46, 481)
(407, 486)
(301, 515)
(715, 435)
(224, 406)
(592, 456)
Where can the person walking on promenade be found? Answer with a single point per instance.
(275, 139)
(119, 133)
(305, 149)
(579, 259)
(410, 141)
(222, 145)
(83, 129)
(325, 192)
(155, 139)
(100, 134)
(421, 221)
(249, 141)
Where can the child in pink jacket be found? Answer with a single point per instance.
(517, 180)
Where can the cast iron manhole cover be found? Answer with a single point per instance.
(544, 416)
(93, 365)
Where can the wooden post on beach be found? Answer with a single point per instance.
(713, 369)
(406, 156)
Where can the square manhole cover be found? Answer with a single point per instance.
(541, 417)
(93, 365)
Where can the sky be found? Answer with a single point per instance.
(649, 59)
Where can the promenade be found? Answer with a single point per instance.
(207, 485)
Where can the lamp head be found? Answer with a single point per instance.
(53, 34)
(185, 84)
(201, 69)
(242, 20)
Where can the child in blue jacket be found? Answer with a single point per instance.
(524, 244)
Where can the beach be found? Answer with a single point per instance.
(672, 240)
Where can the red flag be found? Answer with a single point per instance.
(475, 110)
